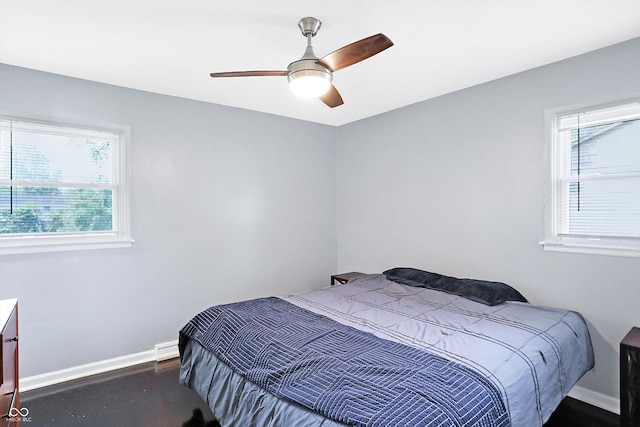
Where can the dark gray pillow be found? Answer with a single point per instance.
(482, 291)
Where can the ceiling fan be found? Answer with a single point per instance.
(310, 76)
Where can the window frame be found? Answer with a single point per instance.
(554, 240)
(120, 236)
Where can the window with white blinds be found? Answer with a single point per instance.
(594, 196)
(61, 187)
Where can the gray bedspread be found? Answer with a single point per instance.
(533, 355)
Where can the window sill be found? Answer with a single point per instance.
(40, 247)
(624, 251)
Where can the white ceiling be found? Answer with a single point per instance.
(171, 46)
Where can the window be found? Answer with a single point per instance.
(593, 200)
(62, 187)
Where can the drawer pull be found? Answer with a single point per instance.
(12, 406)
(13, 339)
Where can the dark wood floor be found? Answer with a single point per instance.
(149, 395)
(144, 395)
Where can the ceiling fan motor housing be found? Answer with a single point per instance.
(308, 67)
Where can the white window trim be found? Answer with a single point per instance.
(58, 242)
(553, 241)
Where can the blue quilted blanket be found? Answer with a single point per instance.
(347, 375)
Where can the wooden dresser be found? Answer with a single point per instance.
(9, 396)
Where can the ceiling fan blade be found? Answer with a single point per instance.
(356, 52)
(262, 73)
(332, 98)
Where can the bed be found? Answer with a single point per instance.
(402, 348)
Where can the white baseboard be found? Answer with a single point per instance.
(161, 352)
(167, 350)
(596, 399)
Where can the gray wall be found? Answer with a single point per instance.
(227, 204)
(456, 185)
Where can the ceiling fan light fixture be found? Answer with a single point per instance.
(309, 84)
(307, 79)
